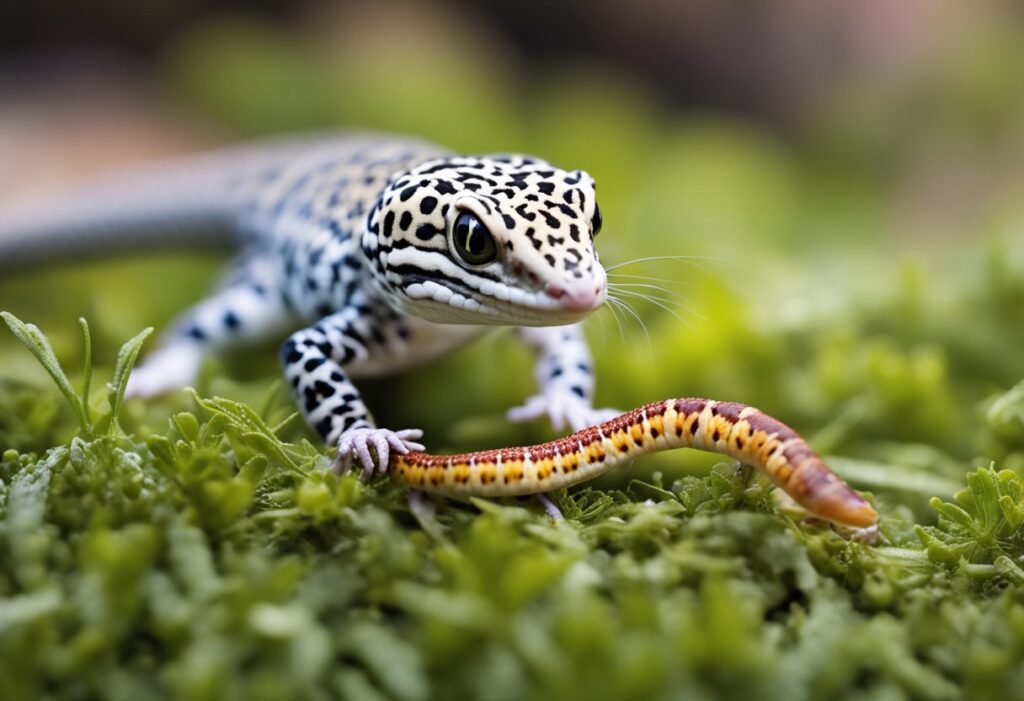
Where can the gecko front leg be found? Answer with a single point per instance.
(246, 310)
(314, 361)
(565, 378)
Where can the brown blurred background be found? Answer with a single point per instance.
(88, 84)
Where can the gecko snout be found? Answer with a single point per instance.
(579, 298)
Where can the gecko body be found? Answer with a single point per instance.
(383, 252)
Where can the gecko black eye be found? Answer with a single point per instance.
(597, 221)
(472, 241)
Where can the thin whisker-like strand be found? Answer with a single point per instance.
(618, 322)
(648, 295)
(665, 306)
(646, 286)
(645, 277)
(622, 303)
(695, 261)
(662, 304)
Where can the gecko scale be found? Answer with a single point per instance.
(384, 253)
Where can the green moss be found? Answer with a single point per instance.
(215, 560)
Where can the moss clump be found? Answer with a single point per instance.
(216, 560)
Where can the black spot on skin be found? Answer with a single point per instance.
(231, 320)
(550, 220)
(196, 333)
(583, 367)
(389, 224)
(405, 221)
(463, 177)
(290, 354)
(425, 232)
(573, 178)
(408, 192)
(323, 426)
(550, 259)
(528, 216)
(324, 389)
(557, 372)
(337, 376)
(312, 364)
(578, 391)
(444, 187)
(574, 233)
(546, 188)
(428, 204)
(510, 223)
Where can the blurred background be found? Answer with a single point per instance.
(849, 178)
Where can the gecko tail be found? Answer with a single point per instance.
(181, 203)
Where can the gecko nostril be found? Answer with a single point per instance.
(554, 291)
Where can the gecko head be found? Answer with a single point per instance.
(505, 240)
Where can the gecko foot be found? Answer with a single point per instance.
(168, 368)
(354, 447)
(550, 508)
(420, 505)
(563, 407)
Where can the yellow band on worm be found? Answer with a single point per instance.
(729, 428)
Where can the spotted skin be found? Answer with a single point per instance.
(729, 428)
(355, 240)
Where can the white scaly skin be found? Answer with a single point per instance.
(389, 252)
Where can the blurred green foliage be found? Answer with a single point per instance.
(207, 553)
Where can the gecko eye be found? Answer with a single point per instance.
(597, 221)
(472, 241)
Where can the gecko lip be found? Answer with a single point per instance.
(494, 303)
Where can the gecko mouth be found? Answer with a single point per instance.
(494, 303)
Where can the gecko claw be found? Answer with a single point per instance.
(355, 444)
